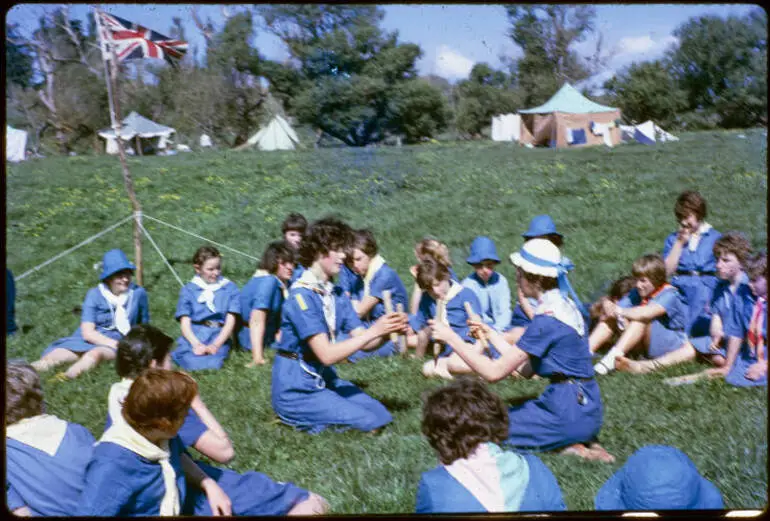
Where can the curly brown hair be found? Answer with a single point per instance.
(756, 266)
(460, 416)
(159, 399)
(690, 202)
(735, 243)
(323, 236)
(23, 392)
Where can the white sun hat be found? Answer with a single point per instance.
(540, 257)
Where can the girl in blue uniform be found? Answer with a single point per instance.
(46, 457)
(293, 229)
(207, 310)
(109, 311)
(375, 278)
(731, 251)
(690, 261)
(443, 300)
(568, 415)
(262, 298)
(306, 391)
(466, 424)
(251, 493)
(428, 248)
(490, 287)
(653, 318)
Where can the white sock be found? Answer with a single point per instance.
(607, 364)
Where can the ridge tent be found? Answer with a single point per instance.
(571, 119)
(509, 127)
(647, 133)
(276, 135)
(15, 144)
(137, 126)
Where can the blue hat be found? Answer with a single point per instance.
(482, 248)
(540, 225)
(658, 477)
(113, 262)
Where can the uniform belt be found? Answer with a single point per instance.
(696, 273)
(556, 378)
(210, 323)
(288, 354)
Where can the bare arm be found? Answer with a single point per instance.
(414, 301)
(672, 260)
(225, 333)
(645, 313)
(214, 443)
(329, 353)
(92, 336)
(365, 306)
(186, 326)
(716, 331)
(257, 323)
(23, 512)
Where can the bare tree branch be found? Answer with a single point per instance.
(206, 30)
(67, 26)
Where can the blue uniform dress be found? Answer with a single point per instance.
(667, 332)
(97, 310)
(307, 394)
(297, 273)
(206, 325)
(264, 292)
(251, 493)
(385, 278)
(570, 409)
(529, 486)
(729, 307)
(456, 316)
(350, 281)
(10, 303)
(47, 475)
(494, 297)
(697, 288)
(748, 354)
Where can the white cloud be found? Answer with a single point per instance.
(451, 64)
(643, 45)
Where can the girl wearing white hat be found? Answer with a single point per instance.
(568, 415)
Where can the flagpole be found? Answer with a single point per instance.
(111, 74)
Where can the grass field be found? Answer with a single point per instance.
(611, 204)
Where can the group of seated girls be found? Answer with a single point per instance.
(141, 464)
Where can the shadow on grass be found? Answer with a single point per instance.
(394, 404)
(521, 400)
(360, 384)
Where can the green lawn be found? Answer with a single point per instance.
(611, 204)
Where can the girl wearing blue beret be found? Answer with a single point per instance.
(109, 311)
(490, 287)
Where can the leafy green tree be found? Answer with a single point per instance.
(722, 65)
(347, 77)
(18, 61)
(485, 93)
(647, 91)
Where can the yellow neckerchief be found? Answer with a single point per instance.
(375, 264)
(454, 289)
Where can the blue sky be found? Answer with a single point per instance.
(452, 37)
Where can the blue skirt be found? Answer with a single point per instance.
(555, 419)
(311, 397)
(251, 494)
(697, 291)
(184, 357)
(77, 344)
(737, 375)
(663, 340)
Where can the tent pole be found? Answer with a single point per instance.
(111, 72)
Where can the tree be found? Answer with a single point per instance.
(546, 35)
(18, 61)
(722, 65)
(485, 93)
(647, 91)
(346, 76)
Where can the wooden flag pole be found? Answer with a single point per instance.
(401, 338)
(388, 301)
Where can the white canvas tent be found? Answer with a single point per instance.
(135, 125)
(647, 133)
(276, 135)
(15, 144)
(506, 127)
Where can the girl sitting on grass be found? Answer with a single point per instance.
(376, 278)
(207, 310)
(428, 248)
(490, 287)
(654, 315)
(568, 415)
(109, 311)
(262, 298)
(466, 424)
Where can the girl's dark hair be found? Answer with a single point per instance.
(690, 202)
(23, 392)
(275, 253)
(735, 243)
(364, 241)
(620, 287)
(205, 253)
(540, 281)
(756, 266)
(159, 399)
(294, 222)
(323, 236)
(556, 239)
(430, 272)
(458, 417)
(143, 344)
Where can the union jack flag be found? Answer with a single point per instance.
(132, 41)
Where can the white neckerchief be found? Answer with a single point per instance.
(43, 432)
(562, 309)
(454, 289)
(118, 393)
(121, 433)
(309, 280)
(207, 295)
(264, 273)
(692, 244)
(496, 478)
(120, 304)
(375, 264)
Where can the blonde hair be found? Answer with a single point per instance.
(433, 249)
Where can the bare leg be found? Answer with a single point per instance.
(601, 334)
(631, 338)
(581, 450)
(89, 360)
(678, 356)
(313, 505)
(58, 356)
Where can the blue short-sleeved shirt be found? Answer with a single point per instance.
(97, 310)
(303, 317)
(675, 318)
(494, 297)
(731, 306)
(702, 259)
(349, 281)
(226, 300)
(456, 315)
(263, 293)
(386, 278)
(555, 347)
